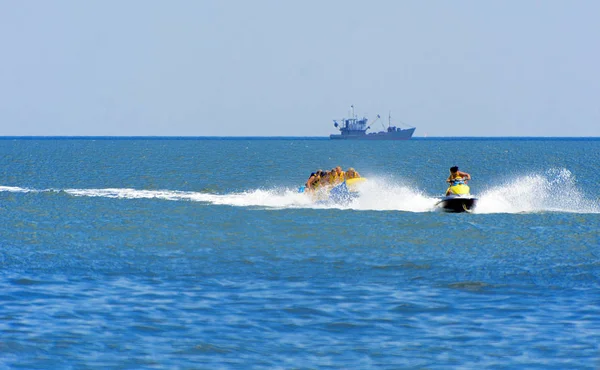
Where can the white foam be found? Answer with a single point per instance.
(554, 191)
(277, 198)
(126, 193)
(384, 195)
(15, 189)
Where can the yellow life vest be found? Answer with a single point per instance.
(459, 188)
(315, 183)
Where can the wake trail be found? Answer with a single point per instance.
(553, 191)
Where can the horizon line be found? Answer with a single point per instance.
(194, 137)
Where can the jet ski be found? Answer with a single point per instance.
(458, 198)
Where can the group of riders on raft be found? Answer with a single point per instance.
(334, 177)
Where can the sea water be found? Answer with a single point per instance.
(200, 253)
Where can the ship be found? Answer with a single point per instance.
(356, 129)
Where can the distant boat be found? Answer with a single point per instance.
(356, 129)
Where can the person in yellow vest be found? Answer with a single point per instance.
(328, 178)
(314, 180)
(456, 175)
(311, 179)
(348, 174)
(352, 174)
(340, 175)
(334, 178)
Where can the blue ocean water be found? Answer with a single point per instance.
(186, 253)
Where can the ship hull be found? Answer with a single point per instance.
(396, 135)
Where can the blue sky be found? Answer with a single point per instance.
(282, 68)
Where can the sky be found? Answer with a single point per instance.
(288, 68)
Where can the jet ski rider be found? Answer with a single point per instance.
(455, 177)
